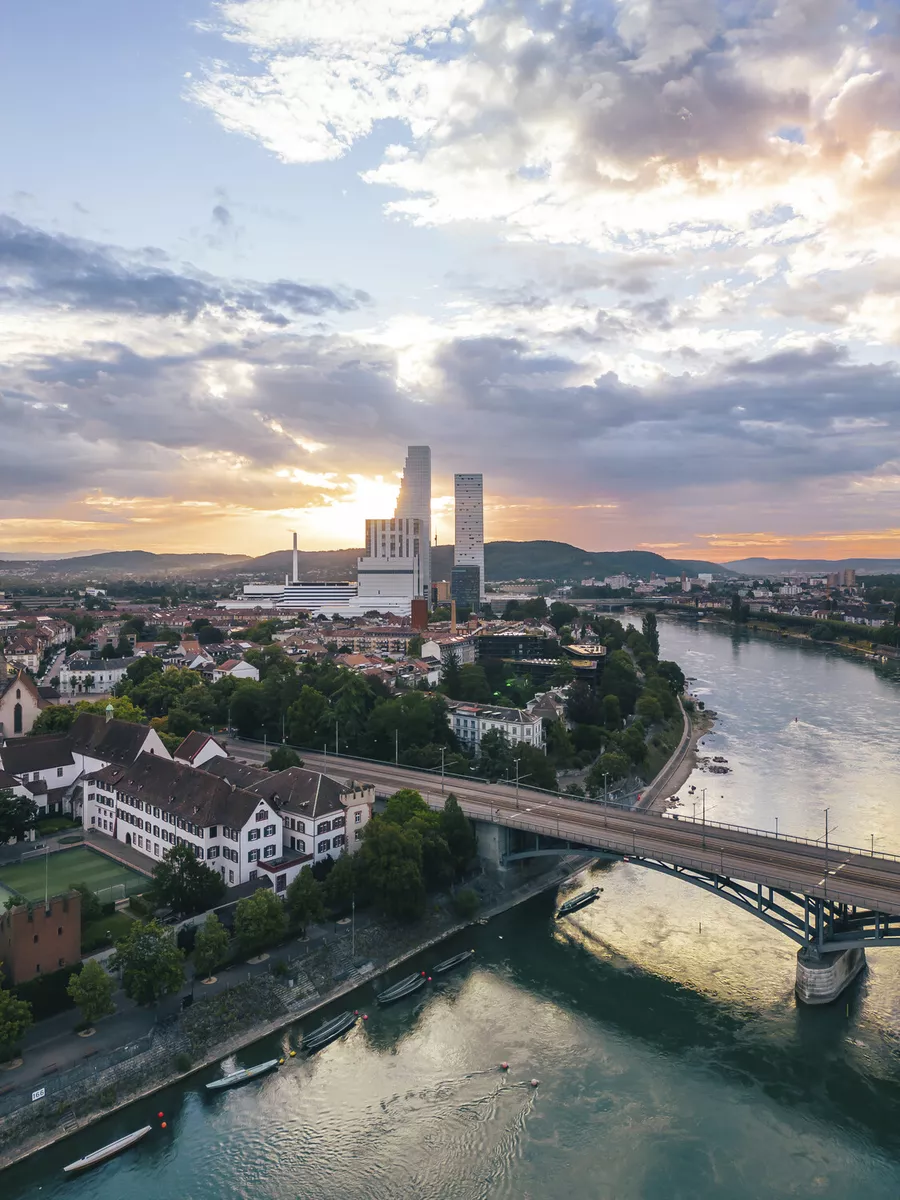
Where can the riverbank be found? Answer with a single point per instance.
(115, 1089)
(681, 765)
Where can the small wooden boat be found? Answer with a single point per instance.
(405, 987)
(99, 1156)
(449, 964)
(237, 1077)
(329, 1031)
(579, 901)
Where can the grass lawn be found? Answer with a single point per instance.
(48, 825)
(93, 935)
(79, 865)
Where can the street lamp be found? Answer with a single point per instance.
(528, 776)
(442, 770)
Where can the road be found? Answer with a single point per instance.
(847, 874)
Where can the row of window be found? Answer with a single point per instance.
(254, 834)
(268, 852)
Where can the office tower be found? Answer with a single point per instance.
(469, 540)
(414, 501)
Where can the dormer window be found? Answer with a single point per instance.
(262, 815)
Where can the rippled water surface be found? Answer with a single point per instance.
(672, 1059)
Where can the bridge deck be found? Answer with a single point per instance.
(850, 876)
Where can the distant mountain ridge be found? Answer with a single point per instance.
(503, 560)
(759, 566)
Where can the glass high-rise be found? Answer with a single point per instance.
(415, 501)
(469, 540)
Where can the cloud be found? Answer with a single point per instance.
(44, 270)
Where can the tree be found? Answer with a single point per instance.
(611, 711)
(210, 946)
(673, 675)
(458, 833)
(150, 962)
(303, 900)
(259, 921)
(15, 1019)
(649, 709)
(473, 684)
(185, 884)
(309, 718)
(534, 766)
(414, 645)
(613, 765)
(392, 860)
(283, 757)
(619, 679)
(344, 882)
(495, 755)
(18, 815)
(738, 609)
(582, 706)
(451, 676)
(560, 749)
(91, 908)
(404, 806)
(562, 614)
(92, 990)
(55, 718)
(210, 635)
(650, 631)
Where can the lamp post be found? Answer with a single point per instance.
(825, 881)
(703, 793)
(442, 769)
(518, 777)
(605, 790)
(396, 746)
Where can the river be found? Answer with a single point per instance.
(673, 1060)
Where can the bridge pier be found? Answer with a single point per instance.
(823, 975)
(492, 844)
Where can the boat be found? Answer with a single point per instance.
(116, 1147)
(243, 1076)
(405, 987)
(329, 1031)
(448, 964)
(579, 901)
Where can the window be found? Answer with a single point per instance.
(213, 831)
(324, 846)
(323, 827)
(35, 939)
(59, 771)
(338, 841)
(253, 835)
(338, 823)
(231, 876)
(280, 883)
(269, 831)
(253, 875)
(253, 856)
(262, 815)
(357, 817)
(358, 835)
(156, 849)
(59, 931)
(269, 852)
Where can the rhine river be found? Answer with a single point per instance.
(673, 1060)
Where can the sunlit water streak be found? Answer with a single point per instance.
(672, 1058)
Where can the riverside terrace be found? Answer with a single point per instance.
(832, 900)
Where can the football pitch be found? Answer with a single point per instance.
(102, 875)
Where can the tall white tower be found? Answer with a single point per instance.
(415, 501)
(469, 540)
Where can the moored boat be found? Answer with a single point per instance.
(405, 987)
(579, 901)
(450, 963)
(105, 1152)
(329, 1031)
(243, 1076)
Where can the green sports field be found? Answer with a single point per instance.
(66, 867)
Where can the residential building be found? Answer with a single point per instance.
(198, 748)
(25, 649)
(95, 676)
(322, 816)
(415, 501)
(156, 803)
(470, 722)
(235, 668)
(442, 645)
(469, 528)
(20, 703)
(38, 939)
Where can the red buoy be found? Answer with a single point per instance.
(504, 1066)
(160, 1115)
(164, 1125)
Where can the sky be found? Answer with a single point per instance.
(637, 261)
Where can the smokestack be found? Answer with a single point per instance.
(453, 617)
(296, 564)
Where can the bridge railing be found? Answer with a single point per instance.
(460, 780)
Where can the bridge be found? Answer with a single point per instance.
(833, 900)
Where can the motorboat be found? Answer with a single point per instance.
(243, 1076)
(449, 964)
(582, 900)
(329, 1031)
(116, 1147)
(405, 987)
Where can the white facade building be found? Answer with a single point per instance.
(415, 501)
(469, 524)
(470, 722)
(91, 676)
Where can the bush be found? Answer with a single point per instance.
(183, 1062)
(140, 906)
(466, 903)
(281, 970)
(186, 938)
(47, 994)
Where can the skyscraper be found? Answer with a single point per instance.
(469, 548)
(415, 501)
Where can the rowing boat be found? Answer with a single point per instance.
(99, 1156)
(243, 1076)
(405, 987)
(449, 963)
(329, 1031)
(579, 901)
